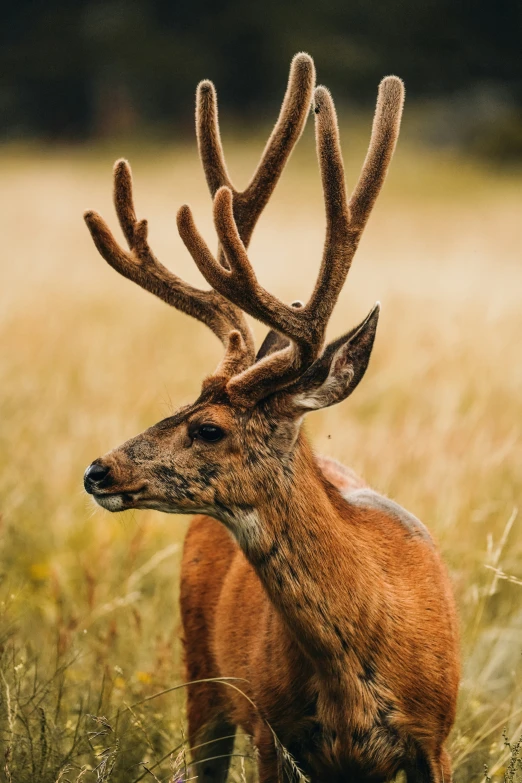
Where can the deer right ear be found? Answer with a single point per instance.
(337, 372)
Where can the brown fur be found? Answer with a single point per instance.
(326, 669)
(337, 616)
(329, 602)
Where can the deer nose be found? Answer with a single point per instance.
(95, 477)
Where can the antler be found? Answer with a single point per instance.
(142, 267)
(345, 221)
(140, 264)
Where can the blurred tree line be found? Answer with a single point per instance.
(76, 69)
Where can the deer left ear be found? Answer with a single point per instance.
(337, 372)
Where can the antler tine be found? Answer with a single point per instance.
(286, 132)
(209, 138)
(338, 250)
(385, 132)
(345, 221)
(142, 267)
(249, 203)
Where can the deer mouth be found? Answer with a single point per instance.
(119, 501)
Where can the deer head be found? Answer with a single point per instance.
(238, 443)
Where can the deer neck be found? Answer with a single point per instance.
(300, 546)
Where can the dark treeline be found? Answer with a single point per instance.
(73, 69)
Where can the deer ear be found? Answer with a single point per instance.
(337, 372)
(274, 341)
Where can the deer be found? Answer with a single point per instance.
(317, 614)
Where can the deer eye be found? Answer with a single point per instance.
(209, 433)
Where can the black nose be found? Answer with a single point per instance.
(95, 477)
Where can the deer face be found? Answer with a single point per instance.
(210, 457)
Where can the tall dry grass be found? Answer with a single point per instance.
(90, 625)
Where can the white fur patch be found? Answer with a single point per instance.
(310, 401)
(368, 498)
(330, 391)
(248, 530)
(245, 526)
(110, 502)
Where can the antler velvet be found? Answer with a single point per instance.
(139, 263)
(345, 220)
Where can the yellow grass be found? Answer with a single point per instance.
(89, 360)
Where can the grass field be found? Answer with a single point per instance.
(89, 619)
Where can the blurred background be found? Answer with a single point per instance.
(91, 675)
(92, 69)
